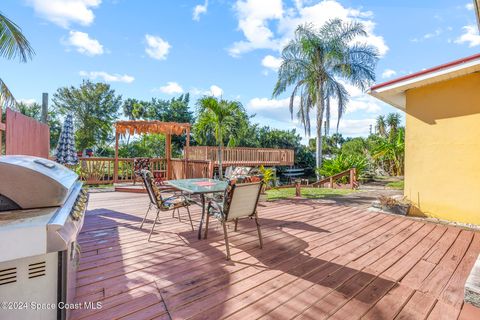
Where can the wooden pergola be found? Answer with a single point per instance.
(154, 126)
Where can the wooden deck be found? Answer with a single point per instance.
(319, 261)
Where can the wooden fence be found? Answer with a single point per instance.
(98, 170)
(243, 156)
(24, 135)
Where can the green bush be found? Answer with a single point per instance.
(341, 163)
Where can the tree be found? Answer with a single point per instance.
(391, 151)
(316, 62)
(173, 110)
(134, 109)
(393, 122)
(381, 126)
(217, 117)
(13, 44)
(34, 111)
(389, 144)
(95, 108)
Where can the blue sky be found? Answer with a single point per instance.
(148, 49)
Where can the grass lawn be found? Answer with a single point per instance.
(310, 193)
(396, 185)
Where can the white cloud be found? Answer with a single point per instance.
(215, 91)
(366, 104)
(27, 101)
(469, 36)
(356, 128)
(434, 34)
(271, 62)
(253, 18)
(273, 109)
(107, 77)
(65, 12)
(388, 73)
(84, 44)
(171, 88)
(199, 10)
(469, 6)
(257, 104)
(256, 19)
(157, 48)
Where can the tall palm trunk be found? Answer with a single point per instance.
(319, 141)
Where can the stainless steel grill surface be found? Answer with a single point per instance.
(42, 206)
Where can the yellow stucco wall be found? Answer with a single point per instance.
(442, 149)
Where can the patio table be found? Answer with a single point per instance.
(200, 186)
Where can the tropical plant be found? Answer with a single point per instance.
(342, 163)
(218, 118)
(149, 145)
(381, 126)
(391, 152)
(13, 44)
(268, 176)
(393, 123)
(316, 63)
(95, 109)
(134, 109)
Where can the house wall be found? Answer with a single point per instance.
(442, 149)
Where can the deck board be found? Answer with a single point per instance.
(319, 261)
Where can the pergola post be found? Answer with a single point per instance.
(187, 145)
(168, 154)
(115, 164)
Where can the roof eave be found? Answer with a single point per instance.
(394, 91)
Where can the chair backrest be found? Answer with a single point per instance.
(140, 164)
(242, 200)
(152, 190)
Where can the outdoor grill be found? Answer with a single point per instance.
(42, 206)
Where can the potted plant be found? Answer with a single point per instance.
(268, 175)
(393, 205)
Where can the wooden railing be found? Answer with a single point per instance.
(331, 182)
(98, 170)
(182, 169)
(243, 156)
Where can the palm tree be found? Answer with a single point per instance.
(393, 123)
(221, 116)
(391, 151)
(381, 126)
(13, 44)
(134, 109)
(316, 62)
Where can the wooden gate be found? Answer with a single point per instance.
(25, 135)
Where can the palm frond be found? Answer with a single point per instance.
(13, 43)
(6, 97)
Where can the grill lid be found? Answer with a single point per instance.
(28, 182)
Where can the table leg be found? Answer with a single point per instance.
(202, 197)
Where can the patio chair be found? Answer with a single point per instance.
(139, 164)
(239, 201)
(160, 203)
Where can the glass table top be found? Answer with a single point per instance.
(200, 185)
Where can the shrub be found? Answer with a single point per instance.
(341, 163)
